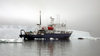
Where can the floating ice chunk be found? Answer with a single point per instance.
(19, 40)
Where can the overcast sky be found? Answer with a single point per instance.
(77, 14)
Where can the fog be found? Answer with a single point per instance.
(77, 14)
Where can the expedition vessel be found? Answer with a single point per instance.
(51, 31)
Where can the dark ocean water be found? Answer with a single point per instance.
(52, 48)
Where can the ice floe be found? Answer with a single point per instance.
(19, 40)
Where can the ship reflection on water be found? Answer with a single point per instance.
(49, 48)
(52, 48)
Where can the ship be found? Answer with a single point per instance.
(51, 31)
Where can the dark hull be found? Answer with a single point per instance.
(47, 36)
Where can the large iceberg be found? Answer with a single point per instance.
(81, 34)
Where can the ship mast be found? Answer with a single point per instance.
(40, 17)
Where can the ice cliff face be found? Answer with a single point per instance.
(77, 34)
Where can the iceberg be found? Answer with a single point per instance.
(82, 34)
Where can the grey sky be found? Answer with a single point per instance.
(78, 14)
